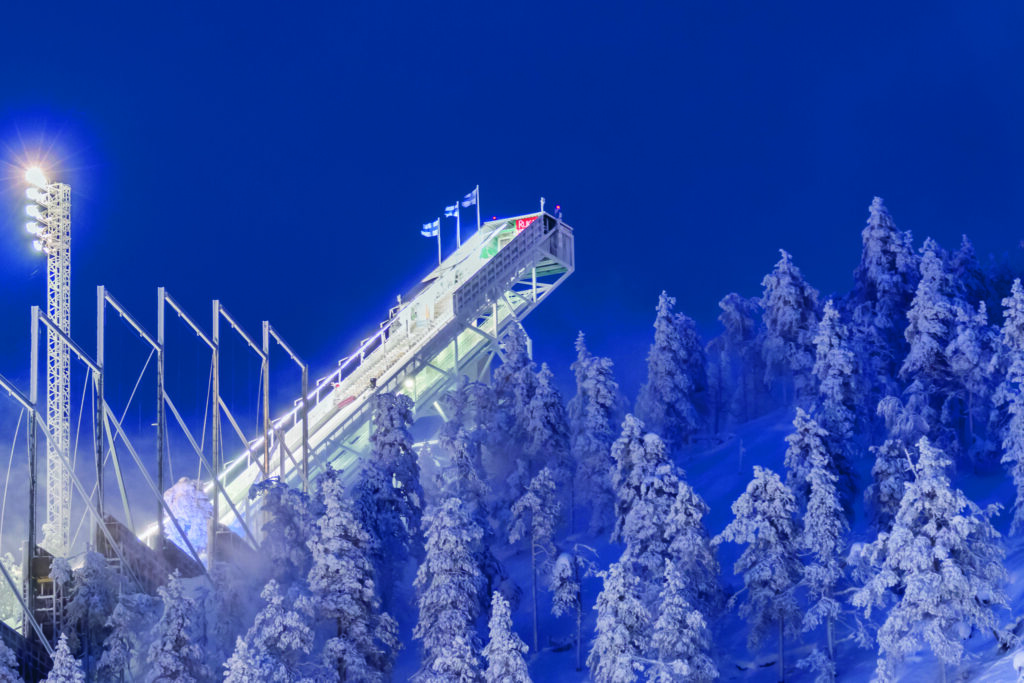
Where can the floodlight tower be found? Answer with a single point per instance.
(50, 211)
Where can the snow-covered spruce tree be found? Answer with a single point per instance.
(93, 596)
(742, 338)
(277, 646)
(884, 285)
(514, 382)
(567, 590)
(824, 539)
(941, 564)
(174, 655)
(680, 642)
(807, 438)
(66, 668)
(449, 584)
(547, 429)
(633, 465)
(1009, 396)
(342, 586)
(535, 518)
(133, 616)
(291, 515)
(462, 440)
(669, 401)
(229, 609)
(623, 629)
(644, 529)
(905, 425)
(969, 355)
(691, 550)
(790, 317)
(931, 323)
(8, 665)
(389, 495)
(967, 272)
(764, 520)
(592, 414)
(505, 649)
(836, 410)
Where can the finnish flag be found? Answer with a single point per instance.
(452, 211)
(431, 229)
(470, 199)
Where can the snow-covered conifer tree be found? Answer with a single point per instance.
(807, 439)
(592, 413)
(535, 518)
(764, 520)
(1009, 397)
(676, 377)
(277, 646)
(967, 272)
(567, 591)
(905, 425)
(291, 516)
(790, 317)
(942, 563)
(824, 540)
(8, 665)
(175, 655)
(970, 357)
(389, 494)
(505, 649)
(633, 465)
(623, 629)
(449, 583)
(691, 550)
(742, 338)
(129, 620)
(66, 668)
(547, 429)
(341, 583)
(93, 596)
(931, 322)
(884, 285)
(680, 642)
(839, 396)
(644, 529)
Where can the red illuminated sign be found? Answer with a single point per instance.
(521, 223)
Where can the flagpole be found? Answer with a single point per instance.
(458, 226)
(438, 242)
(478, 208)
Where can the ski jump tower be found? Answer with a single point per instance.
(450, 326)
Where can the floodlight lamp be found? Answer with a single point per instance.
(33, 212)
(33, 228)
(36, 195)
(35, 176)
(37, 245)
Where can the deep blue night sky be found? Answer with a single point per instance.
(282, 156)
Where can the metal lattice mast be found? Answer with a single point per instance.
(52, 228)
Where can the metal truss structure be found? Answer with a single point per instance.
(448, 328)
(52, 228)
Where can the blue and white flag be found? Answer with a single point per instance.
(452, 211)
(431, 229)
(470, 199)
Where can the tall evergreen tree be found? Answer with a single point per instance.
(277, 646)
(535, 518)
(969, 355)
(592, 413)
(806, 440)
(505, 649)
(66, 668)
(567, 592)
(291, 517)
(1009, 396)
(623, 629)
(547, 428)
(742, 339)
(126, 624)
(681, 641)
(941, 564)
(884, 285)
(905, 425)
(449, 584)
(8, 665)
(93, 596)
(839, 396)
(175, 654)
(342, 585)
(764, 520)
(691, 550)
(676, 377)
(931, 322)
(824, 540)
(790, 317)
(390, 497)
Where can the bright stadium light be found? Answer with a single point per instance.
(33, 228)
(33, 211)
(37, 245)
(35, 194)
(36, 177)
